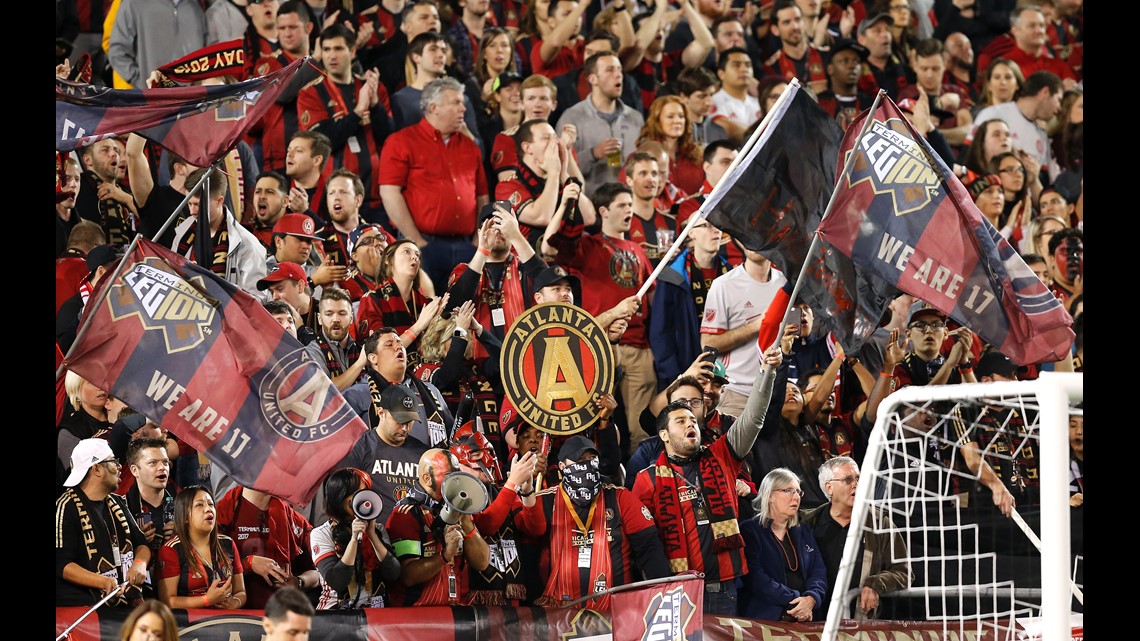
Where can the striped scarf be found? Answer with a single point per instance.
(103, 540)
(335, 368)
(221, 245)
(117, 221)
(673, 522)
(564, 584)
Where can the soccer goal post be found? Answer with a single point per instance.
(972, 569)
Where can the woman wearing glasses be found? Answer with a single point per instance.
(199, 568)
(787, 579)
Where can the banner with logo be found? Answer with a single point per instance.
(556, 359)
(203, 359)
(673, 611)
(468, 623)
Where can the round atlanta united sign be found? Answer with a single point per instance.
(556, 359)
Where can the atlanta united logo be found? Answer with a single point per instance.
(895, 165)
(298, 403)
(164, 302)
(623, 269)
(555, 361)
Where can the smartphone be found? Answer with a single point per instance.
(710, 354)
(796, 316)
(144, 518)
(504, 204)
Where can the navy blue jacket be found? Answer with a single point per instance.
(765, 595)
(674, 326)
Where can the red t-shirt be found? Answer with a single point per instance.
(568, 58)
(197, 581)
(441, 180)
(504, 154)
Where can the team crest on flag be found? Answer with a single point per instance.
(165, 303)
(556, 359)
(894, 166)
(668, 615)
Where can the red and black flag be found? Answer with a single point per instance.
(903, 216)
(775, 204)
(203, 359)
(200, 124)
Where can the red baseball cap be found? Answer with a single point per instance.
(280, 273)
(297, 225)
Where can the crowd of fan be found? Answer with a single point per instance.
(456, 164)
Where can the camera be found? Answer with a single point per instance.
(709, 355)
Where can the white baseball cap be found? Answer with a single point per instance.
(86, 455)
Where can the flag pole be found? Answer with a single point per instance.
(830, 204)
(701, 213)
(182, 205)
(625, 587)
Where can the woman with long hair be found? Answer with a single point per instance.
(533, 28)
(1000, 83)
(197, 567)
(668, 123)
(447, 353)
(990, 139)
(1016, 183)
(496, 55)
(399, 301)
(786, 579)
(152, 619)
(1068, 131)
(1038, 233)
(353, 575)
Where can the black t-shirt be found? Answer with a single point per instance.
(161, 203)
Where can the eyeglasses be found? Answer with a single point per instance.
(367, 241)
(791, 491)
(111, 461)
(923, 326)
(848, 480)
(1012, 170)
(693, 403)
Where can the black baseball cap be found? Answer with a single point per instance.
(553, 274)
(99, 256)
(576, 446)
(994, 362)
(400, 401)
(846, 43)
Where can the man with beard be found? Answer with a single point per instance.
(513, 512)
(307, 167)
(387, 452)
(960, 71)
(333, 348)
(598, 536)
(387, 364)
(496, 278)
(881, 563)
(271, 196)
(435, 557)
(692, 494)
(796, 58)
(344, 196)
(467, 31)
(98, 546)
(104, 197)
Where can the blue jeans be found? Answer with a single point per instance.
(723, 602)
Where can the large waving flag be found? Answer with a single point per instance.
(203, 358)
(903, 215)
(200, 124)
(775, 205)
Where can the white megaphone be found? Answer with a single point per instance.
(366, 505)
(462, 494)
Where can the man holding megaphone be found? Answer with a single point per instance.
(434, 536)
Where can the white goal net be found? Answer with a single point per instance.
(976, 571)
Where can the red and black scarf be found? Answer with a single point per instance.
(673, 522)
(335, 369)
(816, 70)
(535, 185)
(221, 245)
(564, 578)
(507, 295)
(698, 285)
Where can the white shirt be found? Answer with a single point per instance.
(742, 112)
(1024, 134)
(734, 300)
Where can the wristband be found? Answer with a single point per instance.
(886, 373)
(510, 485)
(470, 534)
(249, 562)
(300, 583)
(525, 494)
(412, 332)
(309, 280)
(484, 251)
(205, 601)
